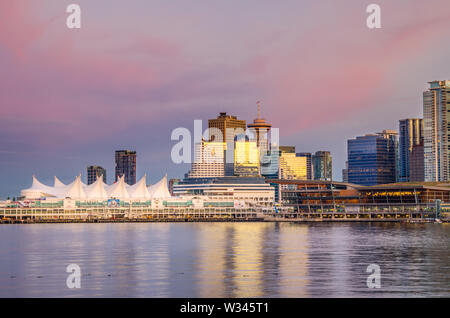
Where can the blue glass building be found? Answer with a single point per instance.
(372, 159)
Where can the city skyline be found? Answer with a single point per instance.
(70, 98)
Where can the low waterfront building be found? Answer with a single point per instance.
(243, 189)
(323, 196)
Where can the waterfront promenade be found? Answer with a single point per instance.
(18, 217)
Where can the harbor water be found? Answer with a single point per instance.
(260, 259)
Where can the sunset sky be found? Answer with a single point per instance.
(138, 69)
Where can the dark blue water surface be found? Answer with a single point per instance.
(225, 259)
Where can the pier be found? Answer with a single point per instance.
(418, 214)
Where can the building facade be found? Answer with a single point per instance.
(322, 166)
(241, 190)
(309, 167)
(416, 167)
(345, 173)
(93, 172)
(436, 129)
(372, 159)
(172, 182)
(126, 166)
(229, 126)
(208, 160)
(410, 135)
(246, 159)
(291, 166)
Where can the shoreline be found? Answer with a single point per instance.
(221, 220)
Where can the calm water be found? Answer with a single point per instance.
(224, 260)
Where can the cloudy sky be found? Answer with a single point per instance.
(138, 69)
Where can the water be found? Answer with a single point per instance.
(225, 259)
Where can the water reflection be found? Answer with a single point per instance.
(224, 259)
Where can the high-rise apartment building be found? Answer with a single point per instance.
(322, 166)
(309, 168)
(93, 172)
(436, 131)
(372, 159)
(410, 134)
(126, 166)
(208, 160)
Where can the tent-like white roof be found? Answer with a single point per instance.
(160, 190)
(37, 190)
(57, 183)
(139, 190)
(98, 190)
(75, 190)
(119, 189)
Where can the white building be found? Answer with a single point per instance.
(208, 160)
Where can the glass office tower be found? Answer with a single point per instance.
(372, 159)
(322, 166)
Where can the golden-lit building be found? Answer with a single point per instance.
(229, 125)
(292, 167)
(246, 159)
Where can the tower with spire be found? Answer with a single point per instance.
(261, 129)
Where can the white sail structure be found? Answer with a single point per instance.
(75, 190)
(37, 190)
(58, 184)
(97, 190)
(139, 190)
(119, 189)
(160, 190)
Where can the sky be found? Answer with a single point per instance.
(136, 70)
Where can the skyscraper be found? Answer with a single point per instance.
(126, 165)
(436, 129)
(372, 159)
(229, 125)
(322, 166)
(93, 172)
(410, 134)
(309, 169)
